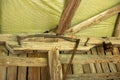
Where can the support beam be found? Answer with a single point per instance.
(94, 20)
(67, 15)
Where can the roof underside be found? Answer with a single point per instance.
(37, 16)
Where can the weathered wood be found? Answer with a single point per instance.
(17, 61)
(97, 65)
(11, 70)
(67, 15)
(2, 68)
(86, 67)
(34, 72)
(116, 31)
(96, 19)
(116, 52)
(92, 65)
(104, 65)
(85, 59)
(43, 46)
(111, 65)
(100, 76)
(55, 65)
(45, 73)
(22, 71)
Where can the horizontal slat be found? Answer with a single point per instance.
(44, 43)
(96, 76)
(86, 59)
(65, 46)
(19, 61)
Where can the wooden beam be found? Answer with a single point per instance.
(19, 61)
(95, 76)
(55, 65)
(46, 46)
(67, 15)
(116, 32)
(94, 20)
(87, 59)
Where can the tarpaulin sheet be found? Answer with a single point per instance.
(37, 16)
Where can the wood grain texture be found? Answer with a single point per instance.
(67, 15)
(85, 59)
(3, 69)
(34, 72)
(116, 31)
(98, 76)
(12, 70)
(55, 65)
(22, 71)
(17, 61)
(94, 20)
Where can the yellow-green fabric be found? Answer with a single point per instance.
(37, 16)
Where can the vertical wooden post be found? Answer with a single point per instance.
(54, 65)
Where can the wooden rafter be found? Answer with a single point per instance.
(94, 20)
(67, 15)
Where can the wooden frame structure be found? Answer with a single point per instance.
(45, 56)
(52, 55)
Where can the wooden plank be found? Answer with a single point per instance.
(43, 46)
(85, 59)
(97, 65)
(34, 72)
(12, 70)
(22, 71)
(55, 65)
(96, 19)
(77, 68)
(116, 52)
(86, 67)
(64, 66)
(45, 73)
(2, 68)
(98, 76)
(111, 65)
(104, 65)
(19, 61)
(92, 65)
